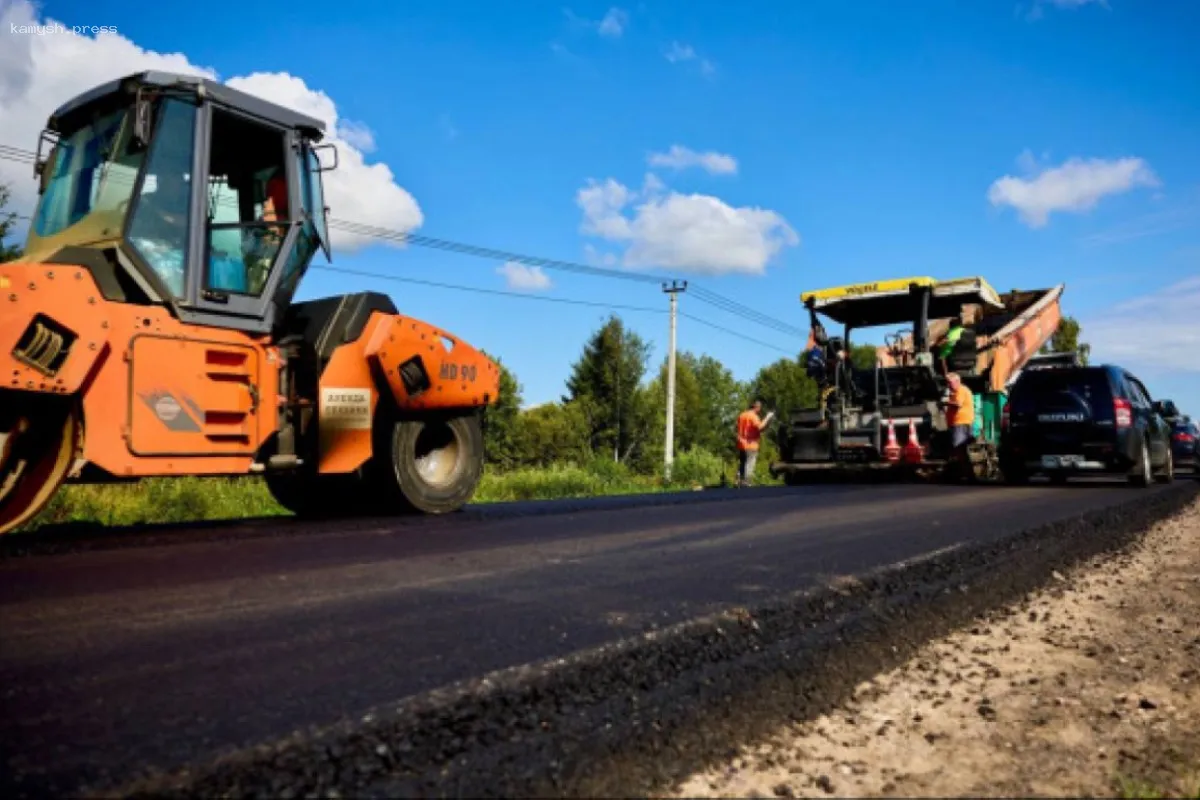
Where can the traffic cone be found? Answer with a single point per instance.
(913, 453)
(891, 450)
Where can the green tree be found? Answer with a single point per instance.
(783, 388)
(8, 220)
(721, 397)
(688, 413)
(1066, 340)
(608, 377)
(553, 433)
(862, 356)
(501, 436)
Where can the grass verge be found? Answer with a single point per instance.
(1135, 789)
(192, 499)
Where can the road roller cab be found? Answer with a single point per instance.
(149, 327)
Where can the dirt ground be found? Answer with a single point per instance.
(1090, 688)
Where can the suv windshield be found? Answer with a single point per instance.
(1035, 388)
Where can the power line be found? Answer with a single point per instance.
(536, 298)
(720, 302)
(732, 332)
(542, 299)
(481, 290)
(486, 252)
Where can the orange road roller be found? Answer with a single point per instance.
(149, 328)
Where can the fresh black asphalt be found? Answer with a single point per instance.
(113, 659)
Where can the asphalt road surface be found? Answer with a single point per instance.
(115, 659)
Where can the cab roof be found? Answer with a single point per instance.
(888, 302)
(80, 108)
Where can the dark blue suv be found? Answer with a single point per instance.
(1073, 420)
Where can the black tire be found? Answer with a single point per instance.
(796, 478)
(1058, 478)
(1141, 476)
(1167, 475)
(1014, 475)
(434, 463)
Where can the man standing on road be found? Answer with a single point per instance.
(749, 430)
(960, 416)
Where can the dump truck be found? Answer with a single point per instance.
(149, 328)
(891, 415)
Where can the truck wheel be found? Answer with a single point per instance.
(1014, 475)
(796, 478)
(436, 462)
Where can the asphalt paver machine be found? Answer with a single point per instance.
(892, 414)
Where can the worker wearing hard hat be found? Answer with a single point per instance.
(749, 431)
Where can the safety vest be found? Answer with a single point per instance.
(952, 337)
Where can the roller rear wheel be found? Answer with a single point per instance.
(38, 444)
(434, 463)
(428, 465)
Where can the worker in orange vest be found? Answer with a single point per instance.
(749, 430)
(960, 416)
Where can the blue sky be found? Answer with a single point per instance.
(874, 138)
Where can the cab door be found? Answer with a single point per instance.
(248, 223)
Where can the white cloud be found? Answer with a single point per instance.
(357, 134)
(40, 72)
(595, 258)
(679, 53)
(523, 277)
(614, 23)
(1037, 10)
(1160, 331)
(1154, 224)
(679, 157)
(1075, 186)
(685, 232)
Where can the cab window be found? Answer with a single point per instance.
(316, 196)
(247, 204)
(161, 222)
(91, 170)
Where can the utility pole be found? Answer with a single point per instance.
(672, 289)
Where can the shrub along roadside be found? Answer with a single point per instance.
(191, 499)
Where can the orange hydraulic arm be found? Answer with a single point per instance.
(1033, 319)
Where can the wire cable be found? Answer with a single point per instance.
(703, 295)
(543, 299)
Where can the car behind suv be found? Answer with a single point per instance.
(1074, 420)
(1185, 442)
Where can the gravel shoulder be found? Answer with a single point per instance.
(1088, 688)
